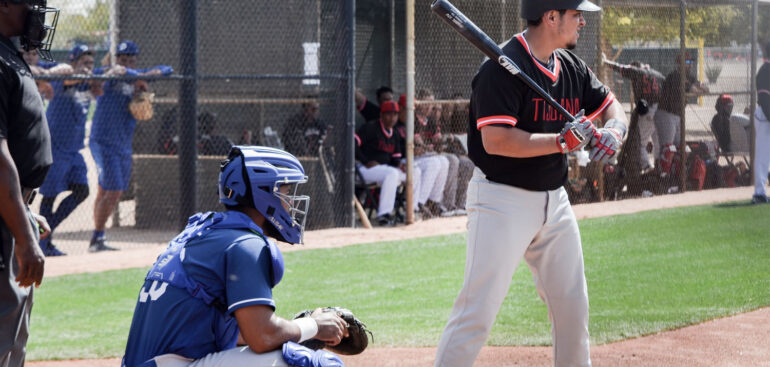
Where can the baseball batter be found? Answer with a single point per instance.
(517, 205)
(762, 128)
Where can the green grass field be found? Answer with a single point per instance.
(646, 272)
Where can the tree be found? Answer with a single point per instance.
(716, 25)
(86, 24)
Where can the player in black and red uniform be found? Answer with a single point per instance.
(646, 83)
(667, 119)
(379, 158)
(517, 205)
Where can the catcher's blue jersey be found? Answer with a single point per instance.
(233, 266)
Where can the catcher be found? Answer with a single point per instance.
(208, 299)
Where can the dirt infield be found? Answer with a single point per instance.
(732, 341)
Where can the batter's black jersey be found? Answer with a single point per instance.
(22, 118)
(763, 88)
(501, 99)
(646, 83)
(376, 143)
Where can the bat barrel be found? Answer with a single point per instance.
(457, 20)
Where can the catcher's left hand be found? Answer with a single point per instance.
(356, 341)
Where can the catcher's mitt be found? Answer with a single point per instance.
(141, 106)
(356, 341)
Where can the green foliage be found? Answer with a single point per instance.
(646, 272)
(86, 23)
(712, 72)
(716, 25)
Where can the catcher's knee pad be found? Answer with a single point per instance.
(296, 355)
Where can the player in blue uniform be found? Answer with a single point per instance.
(211, 290)
(111, 135)
(67, 122)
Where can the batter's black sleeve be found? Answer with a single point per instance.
(497, 97)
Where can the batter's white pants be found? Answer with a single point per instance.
(667, 127)
(506, 224)
(389, 178)
(761, 152)
(435, 170)
(647, 132)
(236, 357)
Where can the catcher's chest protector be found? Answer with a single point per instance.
(168, 268)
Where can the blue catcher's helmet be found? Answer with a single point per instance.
(253, 176)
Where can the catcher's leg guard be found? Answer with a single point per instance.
(298, 356)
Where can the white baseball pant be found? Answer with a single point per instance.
(435, 170)
(460, 171)
(647, 132)
(761, 151)
(389, 178)
(667, 127)
(236, 357)
(506, 224)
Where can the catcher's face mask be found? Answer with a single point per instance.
(38, 35)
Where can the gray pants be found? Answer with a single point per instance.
(15, 306)
(667, 127)
(460, 172)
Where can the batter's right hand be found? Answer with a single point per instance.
(331, 328)
(31, 263)
(576, 134)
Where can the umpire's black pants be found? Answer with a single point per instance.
(15, 304)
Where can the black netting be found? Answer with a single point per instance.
(273, 74)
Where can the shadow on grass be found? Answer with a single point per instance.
(734, 204)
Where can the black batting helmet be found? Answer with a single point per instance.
(534, 9)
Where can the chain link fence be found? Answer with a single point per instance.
(244, 72)
(641, 43)
(283, 74)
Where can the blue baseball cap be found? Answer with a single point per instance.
(127, 48)
(78, 50)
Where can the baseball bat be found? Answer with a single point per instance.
(457, 20)
(362, 213)
(330, 181)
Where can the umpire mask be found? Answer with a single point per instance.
(38, 35)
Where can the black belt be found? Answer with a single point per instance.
(28, 195)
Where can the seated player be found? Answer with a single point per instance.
(720, 124)
(208, 299)
(379, 159)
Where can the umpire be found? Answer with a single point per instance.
(25, 156)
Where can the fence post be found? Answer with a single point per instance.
(753, 76)
(682, 79)
(188, 111)
(350, 118)
(409, 111)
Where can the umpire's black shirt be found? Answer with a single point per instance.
(22, 118)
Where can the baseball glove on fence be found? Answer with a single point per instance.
(356, 341)
(141, 106)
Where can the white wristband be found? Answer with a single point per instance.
(308, 328)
